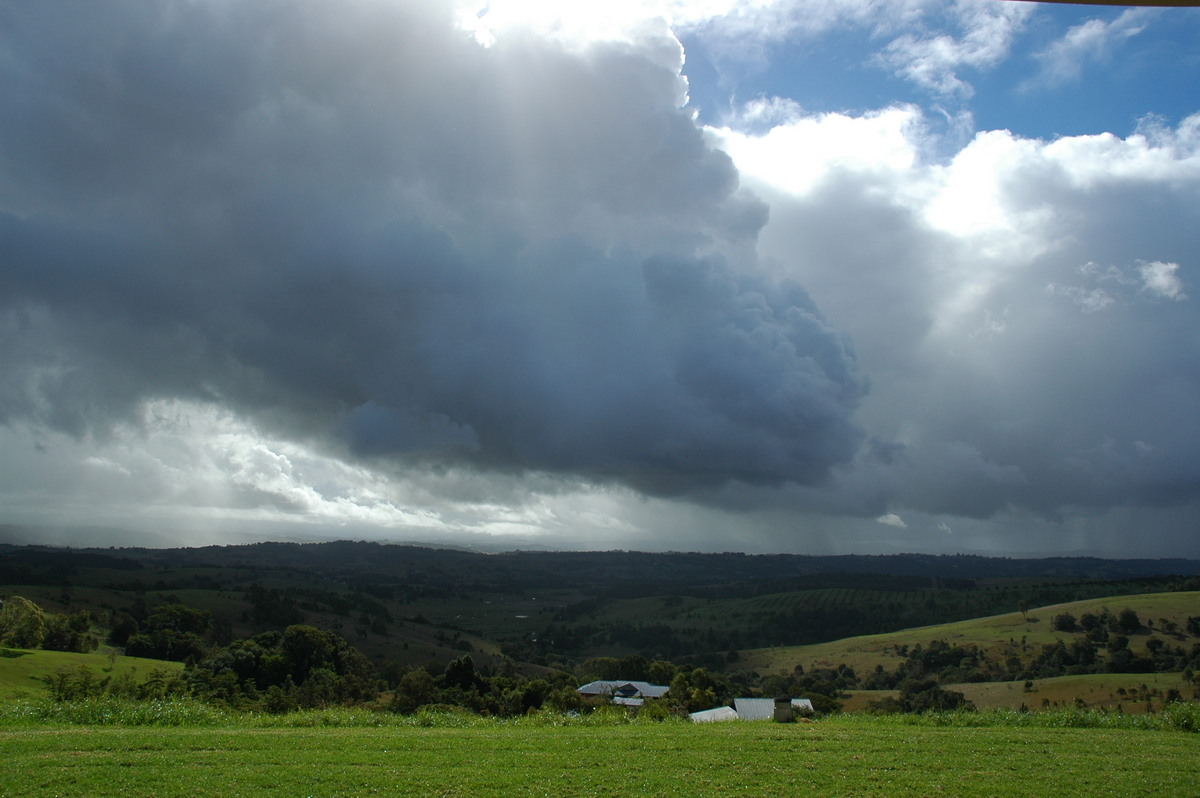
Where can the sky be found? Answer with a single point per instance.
(865, 276)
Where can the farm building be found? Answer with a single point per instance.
(764, 708)
(630, 693)
(754, 709)
(713, 715)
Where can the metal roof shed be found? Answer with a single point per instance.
(764, 708)
(713, 715)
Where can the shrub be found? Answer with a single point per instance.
(1065, 622)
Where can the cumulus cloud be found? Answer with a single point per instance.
(461, 269)
(797, 150)
(951, 279)
(359, 227)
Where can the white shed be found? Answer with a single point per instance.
(764, 708)
(713, 715)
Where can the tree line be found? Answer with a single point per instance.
(301, 666)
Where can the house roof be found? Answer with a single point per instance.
(621, 688)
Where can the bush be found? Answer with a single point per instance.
(926, 695)
(654, 710)
(823, 704)
(1065, 622)
(1128, 622)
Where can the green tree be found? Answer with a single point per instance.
(1065, 622)
(662, 672)
(123, 627)
(306, 648)
(695, 690)
(606, 668)
(70, 633)
(172, 631)
(22, 623)
(461, 673)
(416, 688)
(280, 664)
(1128, 622)
(634, 668)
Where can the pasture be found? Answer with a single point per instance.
(1029, 631)
(1131, 693)
(23, 672)
(836, 757)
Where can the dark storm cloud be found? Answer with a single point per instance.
(354, 224)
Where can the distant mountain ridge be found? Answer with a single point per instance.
(423, 564)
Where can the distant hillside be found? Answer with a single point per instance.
(1032, 630)
(415, 605)
(1133, 653)
(621, 568)
(1124, 692)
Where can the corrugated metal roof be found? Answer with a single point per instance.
(623, 688)
(713, 715)
(754, 708)
(764, 708)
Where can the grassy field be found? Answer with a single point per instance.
(1034, 629)
(837, 757)
(1130, 692)
(1124, 692)
(21, 671)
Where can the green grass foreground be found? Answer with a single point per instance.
(361, 753)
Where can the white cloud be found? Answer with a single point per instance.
(798, 151)
(752, 21)
(1094, 41)
(183, 466)
(913, 257)
(891, 519)
(933, 59)
(925, 41)
(644, 24)
(1162, 280)
(1114, 284)
(1090, 300)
